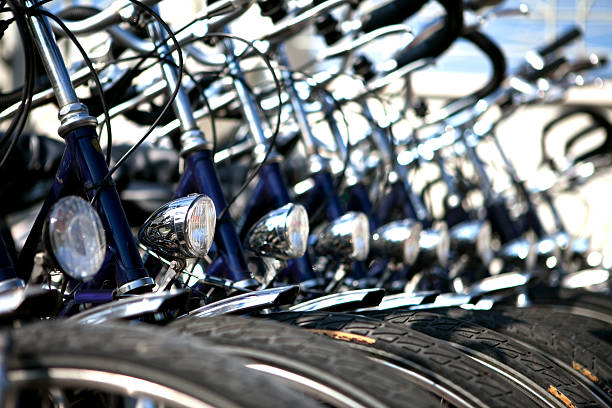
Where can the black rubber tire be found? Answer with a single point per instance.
(505, 352)
(579, 342)
(319, 359)
(184, 368)
(435, 360)
(574, 301)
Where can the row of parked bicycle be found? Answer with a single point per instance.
(369, 266)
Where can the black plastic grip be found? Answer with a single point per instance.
(439, 41)
(564, 39)
(390, 13)
(495, 55)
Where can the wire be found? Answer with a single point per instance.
(167, 106)
(19, 120)
(274, 136)
(94, 75)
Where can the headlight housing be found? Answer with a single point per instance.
(473, 238)
(281, 234)
(182, 228)
(76, 237)
(398, 240)
(347, 237)
(434, 246)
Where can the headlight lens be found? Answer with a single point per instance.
(77, 237)
(200, 225)
(298, 230)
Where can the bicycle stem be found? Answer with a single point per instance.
(200, 174)
(77, 128)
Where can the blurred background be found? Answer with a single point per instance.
(586, 211)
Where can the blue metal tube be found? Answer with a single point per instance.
(324, 191)
(7, 268)
(270, 192)
(200, 176)
(91, 170)
(64, 182)
(359, 200)
(93, 296)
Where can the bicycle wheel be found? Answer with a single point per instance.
(578, 342)
(445, 368)
(505, 353)
(92, 365)
(575, 301)
(330, 372)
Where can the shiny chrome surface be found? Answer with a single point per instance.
(136, 284)
(446, 300)
(434, 244)
(11, 284)
(347, 237)
(130, 307)
(261, 299)
(349, 300)
(520, 252)
(402, 300)
(502, 281)
(338, 50)
(101, 380)
(51, 58)
(398, 240)
(165, 231)
(548, 253)
(292, 25)
(281, 234)
(473, 238)
(329, 395)
(587, 278)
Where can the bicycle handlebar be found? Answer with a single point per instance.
(440, 40)
(566, 38)
(495, 55)
(390, 13)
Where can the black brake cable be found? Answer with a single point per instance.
(167, 106)
(19, 120)
(272, 140)
(94, 75)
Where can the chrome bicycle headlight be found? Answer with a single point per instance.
(76, 237)
(519, 252)
(281, 234)
(346, 237)
(434, 244)
(398, 240)
(473, 238)
(182, 228)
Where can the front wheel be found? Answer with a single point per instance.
(67, 364)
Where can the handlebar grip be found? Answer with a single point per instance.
(439, 41)
(547, 70)
(564, 39)
(391, 13)
(497, 58)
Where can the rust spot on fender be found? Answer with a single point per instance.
(340, 335)
(584, 371)
(562, 397)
